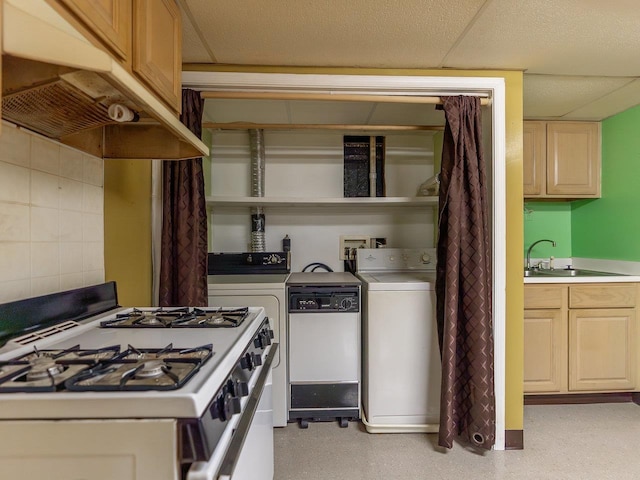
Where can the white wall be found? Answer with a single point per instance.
(310, 164)
(51, 216)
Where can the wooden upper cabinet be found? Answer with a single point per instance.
(534, 139)
(109, 21)
(561, 159)
(157, 57)
(573, 159)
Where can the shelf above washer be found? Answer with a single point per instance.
(236, 201)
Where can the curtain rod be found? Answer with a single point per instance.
(339, 97)
(320, 126)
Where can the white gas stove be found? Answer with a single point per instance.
(191, 382)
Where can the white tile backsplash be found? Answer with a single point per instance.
(14, 261)
(93, 171)
(45, 191)
(70, 281)
(14, 183)
(93, 199)
(45, 259)
(51, 216)
(45, 285)
(93, 256)
(45, 155)
(14, 289)
(72, 164)
(71, 194)
(14, 222)
(70, 226)
(92, 227)
(15, 146)
(93, 277)
(45, 224)
(71, 257)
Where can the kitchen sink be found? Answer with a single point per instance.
(574, 272)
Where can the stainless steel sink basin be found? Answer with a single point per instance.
(575, 272)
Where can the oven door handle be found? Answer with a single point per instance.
(235, 447)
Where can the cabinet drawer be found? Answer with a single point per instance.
(544, 296)
(602, 296)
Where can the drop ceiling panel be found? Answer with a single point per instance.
(357, 33)
(569, 37)
(549, 96)
(193, 50)
(615, 102)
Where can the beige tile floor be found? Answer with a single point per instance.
(586, 442)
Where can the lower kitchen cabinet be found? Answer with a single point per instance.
(580, 338)
(545, 351)
(545, 333)
(602, 349)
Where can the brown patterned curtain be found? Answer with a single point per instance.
(463, 283)
(183, 262)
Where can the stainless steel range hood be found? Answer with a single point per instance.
(58, 84)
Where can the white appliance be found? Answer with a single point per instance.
(92, 390)
(324, 347)
(401, 357)
(260, 290)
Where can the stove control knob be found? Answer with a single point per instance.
(426, 258)
(257, 360)
(246, 362)
(237, 388)
(242, 389)
(262, 340)
(228, 406)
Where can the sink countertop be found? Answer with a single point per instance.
(583, 279)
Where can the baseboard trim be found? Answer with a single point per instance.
(513, 439)
(582, 398)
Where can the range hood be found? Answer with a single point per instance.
(56, 83)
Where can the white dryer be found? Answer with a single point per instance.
(260, 290)
(401, 379)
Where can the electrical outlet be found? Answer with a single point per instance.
(348, 243)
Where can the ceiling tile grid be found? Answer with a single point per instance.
(581, 57)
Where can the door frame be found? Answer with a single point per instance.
(492, 88)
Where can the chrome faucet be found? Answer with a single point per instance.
(533, 245)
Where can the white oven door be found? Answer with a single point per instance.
(245, 451)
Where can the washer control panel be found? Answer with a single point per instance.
(396, 259)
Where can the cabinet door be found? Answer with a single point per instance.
(602, 349)
(534, 143)
(573, 159)
(157, 55)
(545, 351)
(109, 21)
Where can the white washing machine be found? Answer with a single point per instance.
(260, 290)
(401, 379)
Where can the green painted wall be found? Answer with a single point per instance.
(609, 228)
(550, 220)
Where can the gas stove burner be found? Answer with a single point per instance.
(143, 369)
(44, 367)
(158, 318)
(47, 370)
(180, 317)
(151, 369)
(214, 318)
